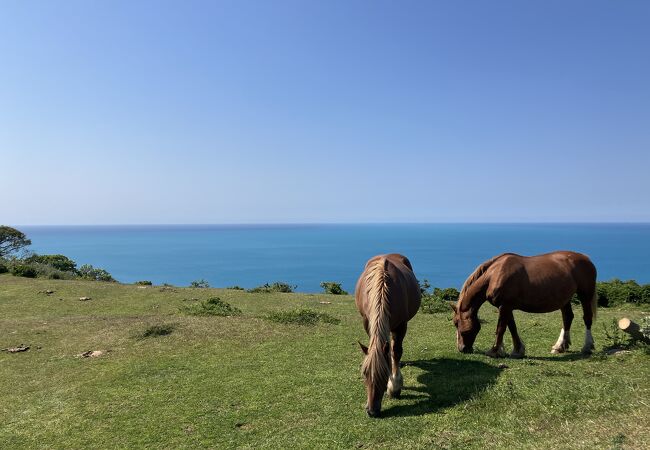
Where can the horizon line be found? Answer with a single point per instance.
(629, 222)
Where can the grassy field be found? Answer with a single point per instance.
(245, 381)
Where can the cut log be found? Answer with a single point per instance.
(631, 328)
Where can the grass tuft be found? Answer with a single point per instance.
(158, 330)
(302, 316)
(213, 306)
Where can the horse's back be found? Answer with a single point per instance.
(541, 282)
(403, 288)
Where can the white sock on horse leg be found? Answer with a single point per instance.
(562, 341)
(395, 382)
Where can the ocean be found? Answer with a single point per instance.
(306, 255)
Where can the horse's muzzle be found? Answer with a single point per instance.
(465, 349)
(373, 413)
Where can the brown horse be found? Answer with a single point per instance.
(535, 284)
(387, 296)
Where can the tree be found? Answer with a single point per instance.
(89, 272)
(11, 240)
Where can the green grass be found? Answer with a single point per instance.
(303, 316)
(244, 381)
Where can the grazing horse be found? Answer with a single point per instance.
(535, 284)
(387, 296)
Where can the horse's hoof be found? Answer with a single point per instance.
(516, 355)
(495, 354)
(587, 351)
(557, 351)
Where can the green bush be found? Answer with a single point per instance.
(329, 287)
(89, 272)
(200, 284)
(617, 292)
(23, 270)
(437, 301)
(235, 288)
(275, 287)
(59, 262)
(213, 306)
(3, 267)
(144, 283)
(433, 305)
(302, 317)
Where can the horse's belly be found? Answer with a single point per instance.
(540, 308)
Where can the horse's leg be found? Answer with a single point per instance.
(589, 303)
(564, 341)
(396, 381)
(497, 351)
(519, 349)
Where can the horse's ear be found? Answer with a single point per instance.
(453, 306)
(364, 349)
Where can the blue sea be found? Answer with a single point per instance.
(306, 255)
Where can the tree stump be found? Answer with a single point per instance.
(631, 328)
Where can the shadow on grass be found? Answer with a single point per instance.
(568, 356)
(447, 382)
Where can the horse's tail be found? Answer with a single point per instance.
(376, 364)
(480, 270)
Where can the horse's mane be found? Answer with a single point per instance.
(376, 366)
(480, 270)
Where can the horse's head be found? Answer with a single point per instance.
(375, 370)
(467, 327)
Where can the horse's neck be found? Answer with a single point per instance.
(475, 295)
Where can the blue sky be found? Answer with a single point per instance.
(128, 112)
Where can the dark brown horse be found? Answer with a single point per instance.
(535, 284)
(387, 296)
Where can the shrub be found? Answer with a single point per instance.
(329, 287)
(617, 292)
(235, 288)
(213, 306)
(438, 300)
(48, 271)
(59, 262)
(3, 267)
(302, 317)
(144, 283)
(447, 295)
(23, 270)
(200, 284)
(89, 272)
(275, 287)
(433, 305)
(614, 337)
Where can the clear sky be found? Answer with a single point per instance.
(126, 112)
